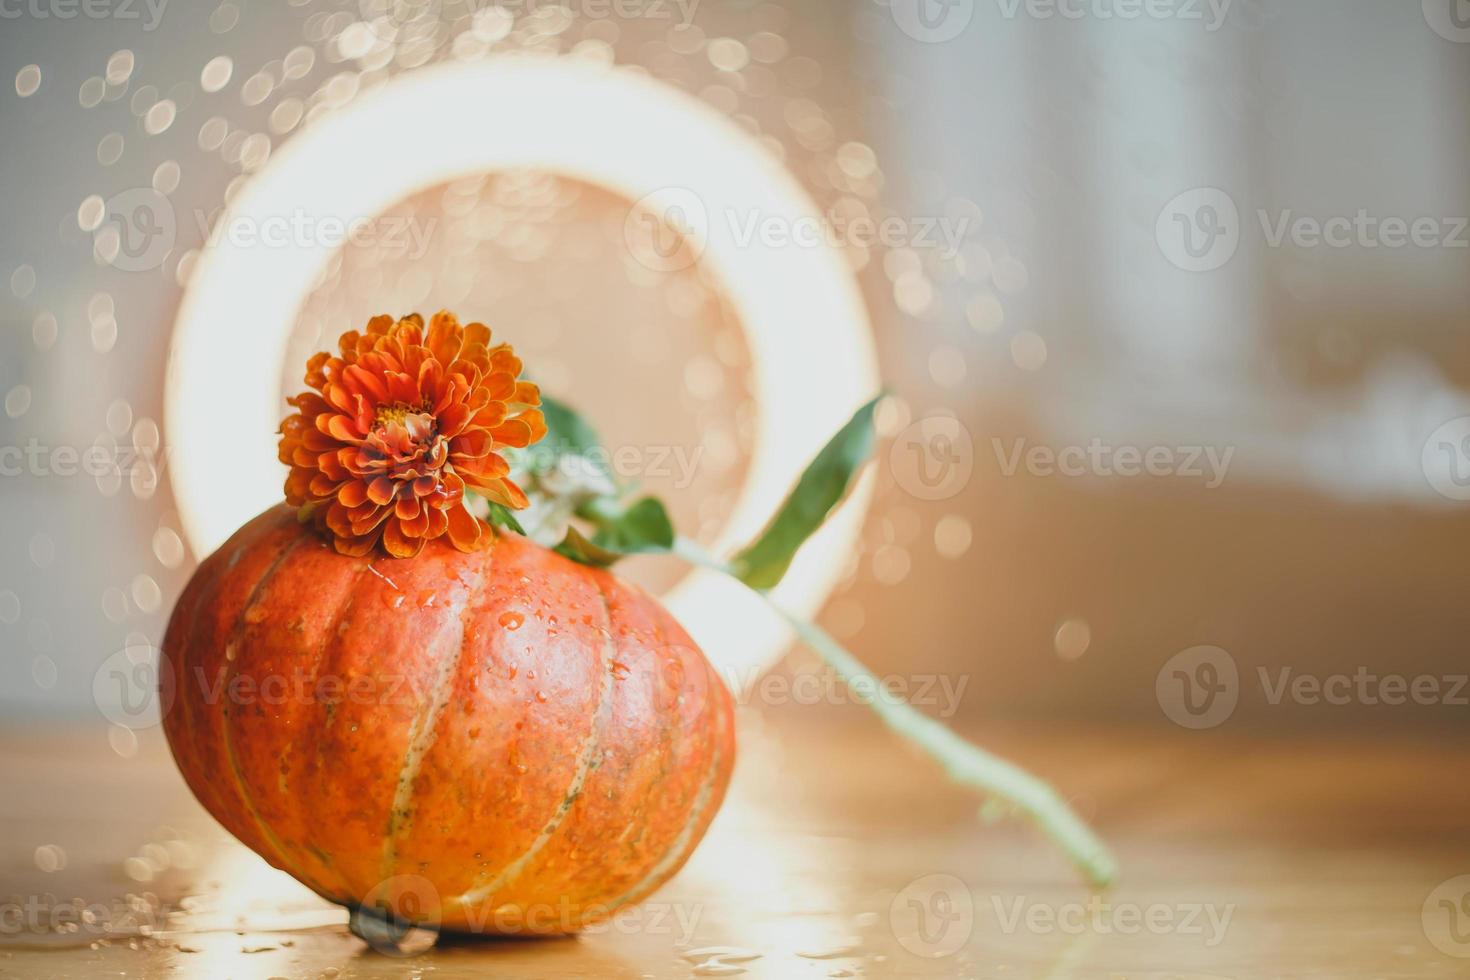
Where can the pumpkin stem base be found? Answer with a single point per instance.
(387, 933)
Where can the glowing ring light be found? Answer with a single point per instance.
(798, 302)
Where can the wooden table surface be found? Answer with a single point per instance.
(838, 854)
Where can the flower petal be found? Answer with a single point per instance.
(513, 432)
(381, 490)
(366, 383)
(355, 547)
(481, 470)
(472, 444)
(477, 334)
(527, 393)
(505, 493)
(352, 494)
(464, 529)
(340, 427)
(444, 337)
(399, 545)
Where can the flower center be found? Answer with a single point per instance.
(406, 443)
(398, 412)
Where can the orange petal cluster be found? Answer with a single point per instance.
(398, 425)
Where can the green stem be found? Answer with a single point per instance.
(965, 763)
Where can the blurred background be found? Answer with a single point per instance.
(1170, 300)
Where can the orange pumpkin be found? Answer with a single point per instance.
(497, 741)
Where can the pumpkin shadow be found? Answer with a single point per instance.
(481, 940)
(471, 953)
(408, 942)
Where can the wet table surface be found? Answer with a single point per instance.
(838, 854)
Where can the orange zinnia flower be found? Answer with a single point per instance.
(399, 425)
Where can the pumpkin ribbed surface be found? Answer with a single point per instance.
(509, 727)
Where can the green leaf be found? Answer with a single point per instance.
(576, 547)
(503, 516)
(642, 529)
(570, 470)
(821, 487)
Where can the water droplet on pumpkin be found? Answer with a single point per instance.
(717, 968)
(541, 697)
(513, 671)
(620, 669)
(426, 599)
(230, 651)
(256, 614)
(512, 621)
